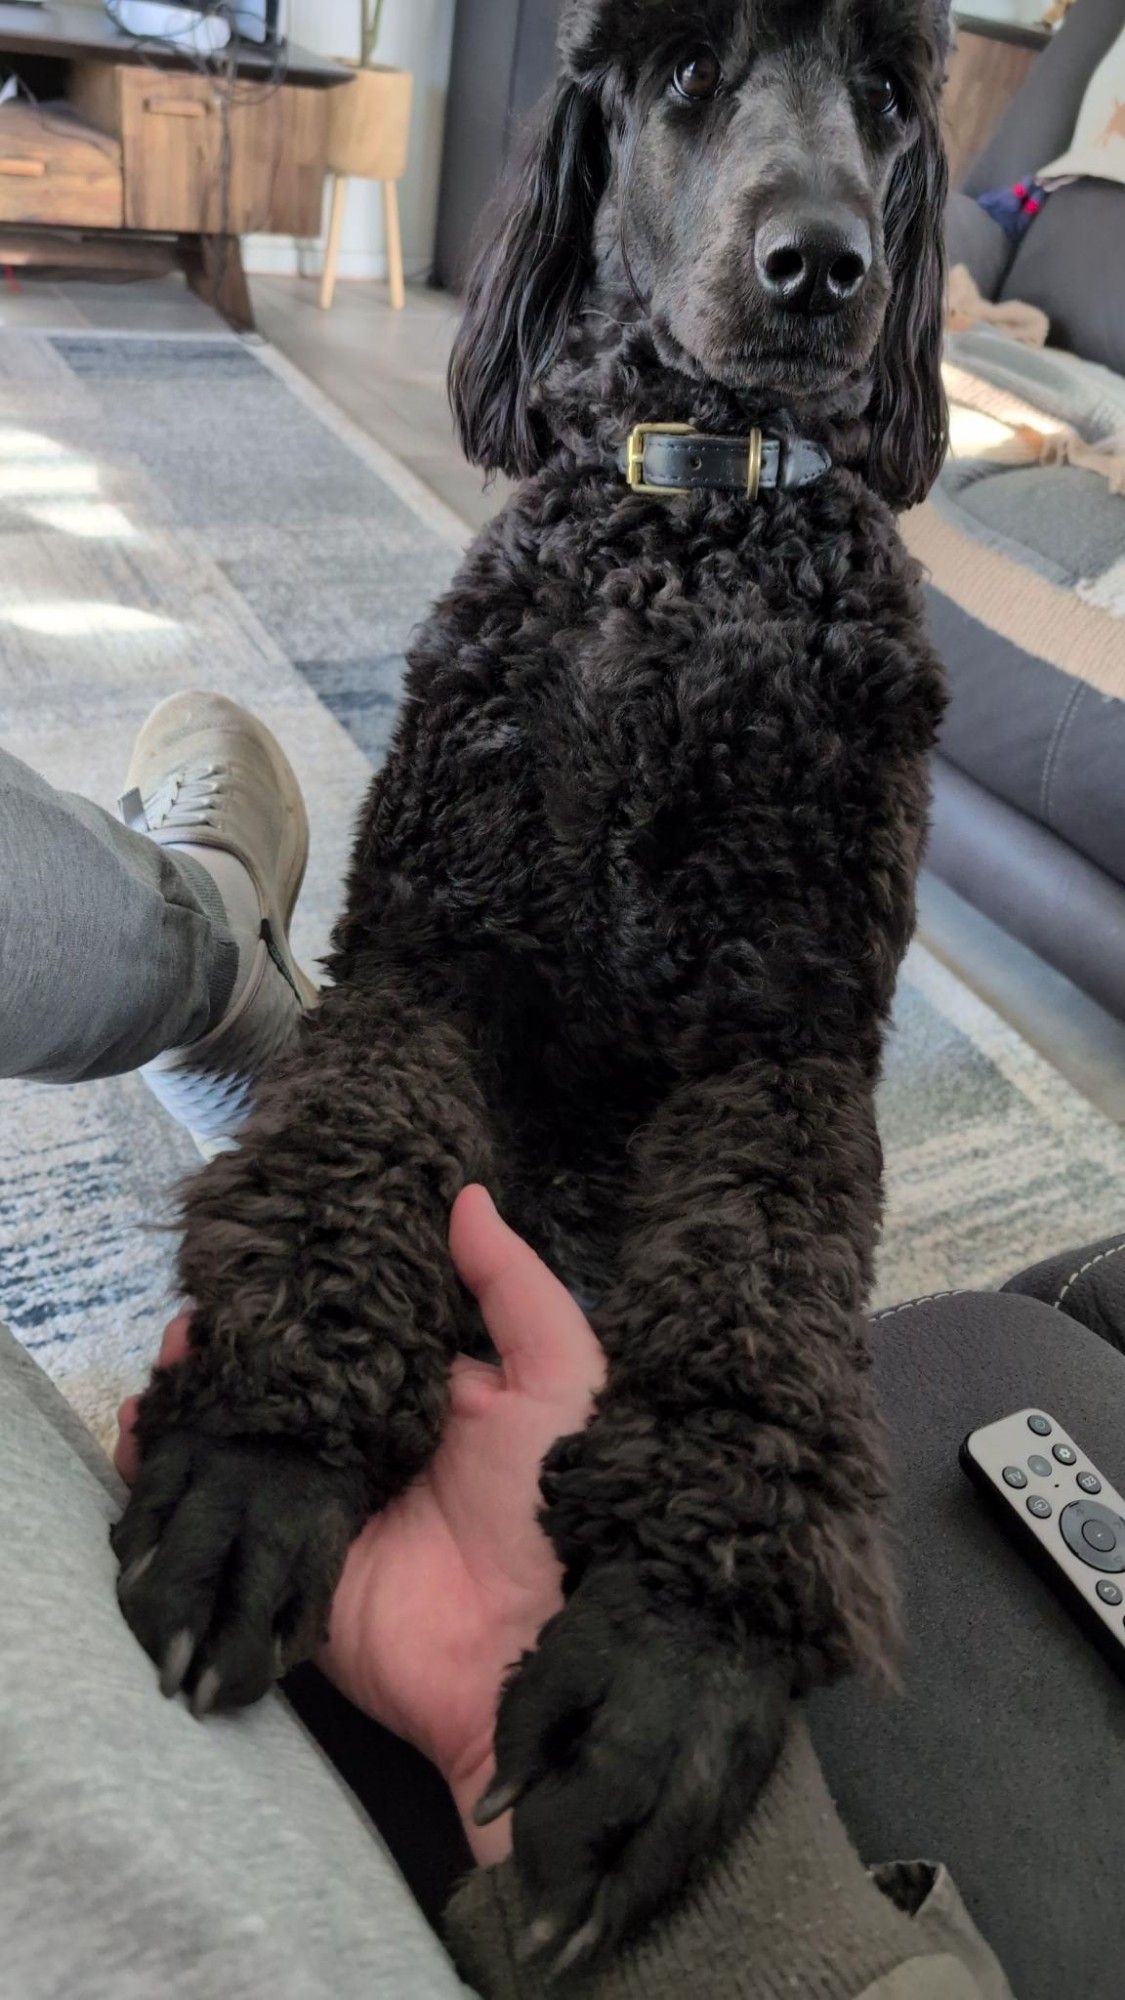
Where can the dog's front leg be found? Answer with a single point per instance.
(719, 1519)
(327, 1312)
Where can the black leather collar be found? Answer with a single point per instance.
(672, 458)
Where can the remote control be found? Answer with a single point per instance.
(1064, 1514)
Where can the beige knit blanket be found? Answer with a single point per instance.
(1009, 430)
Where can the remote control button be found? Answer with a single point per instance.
(1014, 1475)
(1039, 1507)
(1108, 1592)
(1066, 1454)
(1040, 1426)
(1039, 1465)
(1089, 1482)
(1096, 1535)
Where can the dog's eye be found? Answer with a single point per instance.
(883, 95)
(698, 77)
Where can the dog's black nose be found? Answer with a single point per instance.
(813, 264)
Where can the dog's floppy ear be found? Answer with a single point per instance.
(527, 284)
(909, 415)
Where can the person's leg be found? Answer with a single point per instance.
(112, 949)
(1002, 1754)
(162, 945)
(141, 1853)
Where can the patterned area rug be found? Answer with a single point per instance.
(178, 512)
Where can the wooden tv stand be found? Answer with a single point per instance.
(119, 161)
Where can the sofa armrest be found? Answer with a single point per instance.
(1087, 1285)
(973, 237)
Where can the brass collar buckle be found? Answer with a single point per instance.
(638, 438)
(635, 459)
(754, 465)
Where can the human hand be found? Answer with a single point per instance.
(447, 1588)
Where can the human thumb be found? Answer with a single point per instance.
(543, 1338)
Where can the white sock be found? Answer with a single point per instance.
(240, 901)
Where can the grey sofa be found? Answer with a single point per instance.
(1030, 783)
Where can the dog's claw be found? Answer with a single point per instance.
(206, 1693)
(177, 1660)
(538, 1939)
(501, 1796)
(136, 1570)
(224, 1609)
(583, 1946)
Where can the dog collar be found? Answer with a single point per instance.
(673, 458)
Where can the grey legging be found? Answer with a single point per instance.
(111, 949)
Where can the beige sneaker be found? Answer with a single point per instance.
(206, 775)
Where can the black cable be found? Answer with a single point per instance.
(232, 93)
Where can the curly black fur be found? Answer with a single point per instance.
(623, 926)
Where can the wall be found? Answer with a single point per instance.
(416, 35)
(1027, 12)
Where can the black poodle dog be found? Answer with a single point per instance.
(623, 926)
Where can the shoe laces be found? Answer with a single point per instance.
(187, 798)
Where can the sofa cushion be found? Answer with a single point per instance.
(1036, 665)
(1040, 120)
(1097, 149)
(1033, 735)
(1071, 264)
(1062, 521)
(1034, 885)
(1026, 569)
(1042, 381)
(975, 238)
(1088, 1285)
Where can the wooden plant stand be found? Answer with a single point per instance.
(368, 139)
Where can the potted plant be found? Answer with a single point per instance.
(368, 139)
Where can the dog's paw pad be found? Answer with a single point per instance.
(630, 1746)
(229, 1555)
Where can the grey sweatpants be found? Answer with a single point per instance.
(142, 1854)
(139, 1853)
(111, 949)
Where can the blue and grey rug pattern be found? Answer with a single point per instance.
(179, 512)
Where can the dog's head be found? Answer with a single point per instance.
(770, 177)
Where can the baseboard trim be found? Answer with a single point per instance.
(289, 257)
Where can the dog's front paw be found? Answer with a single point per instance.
(631, 1744)
(230, 1553)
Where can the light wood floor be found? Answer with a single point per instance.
(387, 372)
